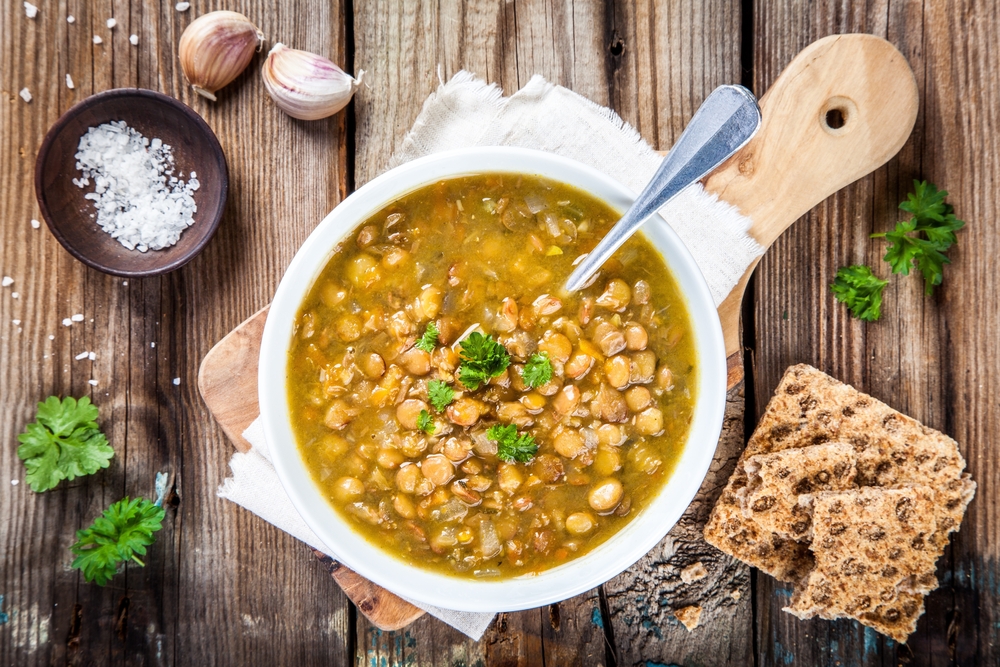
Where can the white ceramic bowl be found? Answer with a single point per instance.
(562, 582)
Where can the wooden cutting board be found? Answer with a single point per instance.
(842, 108)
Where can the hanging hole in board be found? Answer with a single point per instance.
(837, 115)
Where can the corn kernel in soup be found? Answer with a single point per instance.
(460, 410)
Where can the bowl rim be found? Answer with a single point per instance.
(614, 555)
(97, 98)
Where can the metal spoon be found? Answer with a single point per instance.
(723, 124)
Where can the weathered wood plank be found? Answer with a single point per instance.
(220, 585)
(927, 356)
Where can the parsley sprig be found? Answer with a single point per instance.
(923, 240)
(64, 442)
(512, 446)
(482, 358)
(429, 339)
(121, 534)
(537, 371)
(425, 423)
(861, 290)
(440, 394)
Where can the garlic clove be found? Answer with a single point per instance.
(216, 48)
(305, 85)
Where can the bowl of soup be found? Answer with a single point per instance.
(450, 421)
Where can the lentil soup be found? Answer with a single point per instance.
(461, 412)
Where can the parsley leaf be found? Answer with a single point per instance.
(923, 240)
(511, 446)
(537, 371)
(429, 339)
(440, 394)
(424, 422)
(861, 290)
(121, 534)
(482, 358)
(64, 442)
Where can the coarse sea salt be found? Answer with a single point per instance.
(25, 94)
(133, 40)
(30, 10)
(135, 202)
(69, 82)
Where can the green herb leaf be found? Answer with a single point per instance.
(121, 534)
(511, 446)
(424, 422)
(923, 240)
(429, 339)
(482, 358)
(64, 442)
(440, 394)
(861, 290)
(537, 371)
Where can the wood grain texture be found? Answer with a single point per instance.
(219, 582)
(931, 357)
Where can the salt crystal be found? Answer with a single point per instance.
(34, 223)
(177, 382)
(77, 318)
(6, 282)
(51, 337)
(125, 283)
(91, 356)
(134, 39)
(14, 482)
(25, 94)
(111, 23)
(134, 202)
(70, 19)
(152, 344)
(17, 323)
(97, 39)
(14, 295)
(182, 6)
(82, 355)
(93, 383)
(67, 322)
(69, 82)
(30, 10)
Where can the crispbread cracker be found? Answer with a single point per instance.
(873, 556)
(811, 408)
(774, 482)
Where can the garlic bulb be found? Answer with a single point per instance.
(215, 48)
(305, 85)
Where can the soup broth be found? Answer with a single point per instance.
(459, 409)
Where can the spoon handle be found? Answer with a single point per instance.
(723, 124)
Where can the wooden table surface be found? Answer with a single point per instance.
(223, 587)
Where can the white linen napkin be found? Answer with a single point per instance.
(468, 112)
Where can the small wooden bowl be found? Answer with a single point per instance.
(72, 218)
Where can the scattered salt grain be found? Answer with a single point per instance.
(97, 39)
(51, 337)
(6, 282)
(93, 383)
(125, 283)
(67, 322)
(15, 482)
(152, 344)
(77, 318)
(91, 356)
(134, 203)
(25, 94)
(69, 82)
(111, 23)
(15, 295)
(82, 355)
(177, 382)
(17, 323)
(134, 39)
(30, 10)
(34, 223)
(70, 19)
(182, 6)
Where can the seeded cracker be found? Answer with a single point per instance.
(776, 480)
(811, 408)
(873, 555)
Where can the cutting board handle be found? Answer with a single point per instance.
(842, 108)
